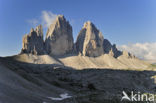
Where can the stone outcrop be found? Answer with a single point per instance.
(107, 46)
(127, 54)
(59, 41)
(59, 38)
(90, 41)
(33, 42)
(113, 51)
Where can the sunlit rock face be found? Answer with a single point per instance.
(59, 41)
(59, 38)
(90, 41)
(127, 54)
(33, 42)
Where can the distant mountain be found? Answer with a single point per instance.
(90, 44)
(46, 70)
(59, 41)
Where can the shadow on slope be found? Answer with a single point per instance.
(85, 86)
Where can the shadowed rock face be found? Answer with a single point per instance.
(116, 52)
(33, 42)
(90, 41)
(59, 38)
(107, 46)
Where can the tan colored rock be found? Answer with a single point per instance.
(127, 54)
(33, 42)
(90, 41)
(59, 38)
(111, 53)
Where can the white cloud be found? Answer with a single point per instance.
(146, 51)
(33, 22)
(47, 17)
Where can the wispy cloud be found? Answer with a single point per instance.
(45, 19)
(33, 22)
(146, 51)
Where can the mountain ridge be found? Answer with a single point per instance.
(90, 47)
(59, 35)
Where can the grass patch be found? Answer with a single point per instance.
(153, 65)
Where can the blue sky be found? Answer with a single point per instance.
(120, 21)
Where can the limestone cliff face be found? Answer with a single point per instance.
(90, 41)
(33, 42)
(59, 38)
(59, 41)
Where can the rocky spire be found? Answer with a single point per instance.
(39, 31)
(107, 46)
(33, 42)
(127, 54)
(113, 51)
(59, 41)
(90, 41)
(59, 38)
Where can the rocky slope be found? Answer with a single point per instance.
(84, 62)
(22, 82)
(104, 61)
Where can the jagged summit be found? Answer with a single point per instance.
(90, 40)
(39, 30)
(33, 42)
(91, 49)
(59, 37)
(111, 49)
(60, 17)
(55, 23)
(88, 24)
(59, 41)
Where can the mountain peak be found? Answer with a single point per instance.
(39, 30)
(59, 37)
(31, 30)
(59, 41)
(33, 42)
(90, 40)
(60, 17)
(88, 24)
